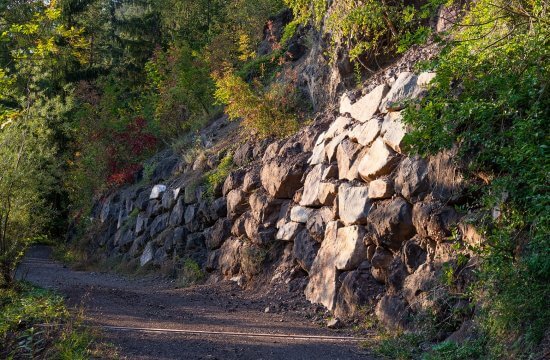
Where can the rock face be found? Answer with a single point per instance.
(339, 208)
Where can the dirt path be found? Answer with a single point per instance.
(203, 322)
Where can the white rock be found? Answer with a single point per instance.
(393, 131)
(365, 133)
(157, 191)
(327, 193)
(147, 255)
(323, 276)
(337, 127)
(310, 197)
(345, 104)
(380, 189)
(351, 249)
(288, 231)
(353, 204)
(345, 156)
(405, 87)
(425, 78)
(318, 154)
(364, 108)
(300, 214)
(330, 149)
(379, 160)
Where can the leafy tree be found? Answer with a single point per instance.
(38, 46)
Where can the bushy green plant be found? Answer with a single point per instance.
(217, 176)
(491, 98)
(191, 273)
(366, 28)
(263, 112)
(34, 323)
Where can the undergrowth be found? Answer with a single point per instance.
(491, 98)
(35, 324)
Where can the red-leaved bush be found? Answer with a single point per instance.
(126, 150)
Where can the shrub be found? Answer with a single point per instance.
(217, 176)
(263, 112)
(366, 28)
(34, 323)
(491, 98)
(191, 273)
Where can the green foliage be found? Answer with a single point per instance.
(400, 346)
(31, 116)
(34, 323)
(491, 98)
(469, 350)
(182, 90)
(263, 113)
(191, 273)
(217, 176)
(366, 28)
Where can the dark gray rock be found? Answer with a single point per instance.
(305, 249)
(390, 223)
(218, 233)
(159, 224)
(358, 289)
(176, 216)
(412, 179)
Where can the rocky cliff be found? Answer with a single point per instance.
(338, 211)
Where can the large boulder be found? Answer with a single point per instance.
(257, 233)
(404, 88)
(392, 311)
(142, 222)
(412, 179)
(305, 249)
(434, 220)
(390, 223)
(301, 214)
(217, 234)
(252, 180)
(327, 193)
(364, 108)
(380, 189)
(349, 250)
(176, 216)
(316, 224)
(159, 224)
(237, 203)
(310, 196)
(337, 127)
(353, 204)
(233, 181)
(288, 231)
(414, 254)
(393, 131)
(358, 290)
(323, 284)
(346, 153)
(264, 208)
(157, 192)
(330, 148)
(230, 257)
(365, 133)
(282, 177)
(148, 254)
(379, 160)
